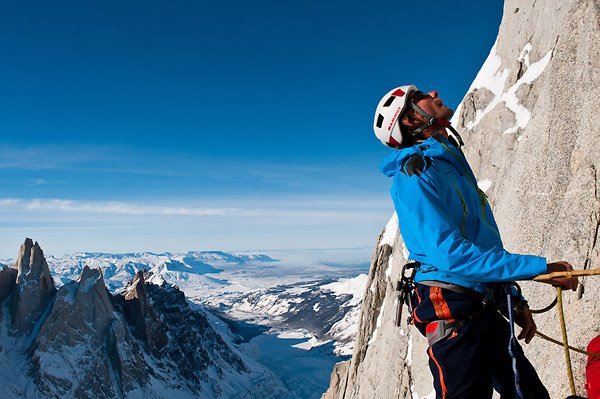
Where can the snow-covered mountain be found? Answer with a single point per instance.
(323, 310)
(80, 341)
(256, 288)
(252, 326)
(118, 269)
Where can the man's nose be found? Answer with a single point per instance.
(434, 94)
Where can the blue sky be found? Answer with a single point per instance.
(187, 125)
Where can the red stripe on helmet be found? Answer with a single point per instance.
(398, 93)
(393, 142)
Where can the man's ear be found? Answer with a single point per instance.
(408, 120)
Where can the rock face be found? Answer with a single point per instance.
(35, 287)
(83, 342)
(532, 138)
(160, 314)
(81, 320)
(381, 363)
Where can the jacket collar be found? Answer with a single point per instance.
(437, 147)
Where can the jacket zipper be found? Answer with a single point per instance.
(464, 207)
(482, 197)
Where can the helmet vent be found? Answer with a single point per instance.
(389, 101)
(379, 120)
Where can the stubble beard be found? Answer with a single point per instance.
(447, 113)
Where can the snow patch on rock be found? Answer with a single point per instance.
(353, 286)
(484, 185)
(409, 350)
(490, 77)
(388, 270)
(293, 334)
(391, 229)
(405, 252)
(378, 324)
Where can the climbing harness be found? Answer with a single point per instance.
(437, 330)
(440, 329)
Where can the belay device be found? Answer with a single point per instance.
(406, 287)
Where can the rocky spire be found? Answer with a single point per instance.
(31, 265)
(140, 314)
(85, 341)
(35, 287)
(82, 317)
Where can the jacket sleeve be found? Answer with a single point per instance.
(421, 209)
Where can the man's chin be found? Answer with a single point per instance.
(448, 114)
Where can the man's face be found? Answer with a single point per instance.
(433, 105)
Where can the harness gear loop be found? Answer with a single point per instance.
(406, 286)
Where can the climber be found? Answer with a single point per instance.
(464, 272)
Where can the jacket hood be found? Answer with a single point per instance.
(432, 147)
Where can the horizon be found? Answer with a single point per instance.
(153, 127)
(261, 251)
(192, 251)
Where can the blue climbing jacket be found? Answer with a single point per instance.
(446, 221)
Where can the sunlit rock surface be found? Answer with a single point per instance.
(532, 135)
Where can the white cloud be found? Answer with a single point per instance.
(326, 210)
(66, 225)
(37, 182)
(46, 157)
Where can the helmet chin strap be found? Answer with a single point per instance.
(431, 121)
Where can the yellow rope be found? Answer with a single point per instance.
(563, 327)
(569, 274)
(557, 342)
(565, 340)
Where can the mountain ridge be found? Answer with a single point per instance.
(82, 341)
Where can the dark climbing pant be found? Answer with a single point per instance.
(471, 362)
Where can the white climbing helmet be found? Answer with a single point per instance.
(386, 123)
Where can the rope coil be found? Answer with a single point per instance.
(558, 300)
